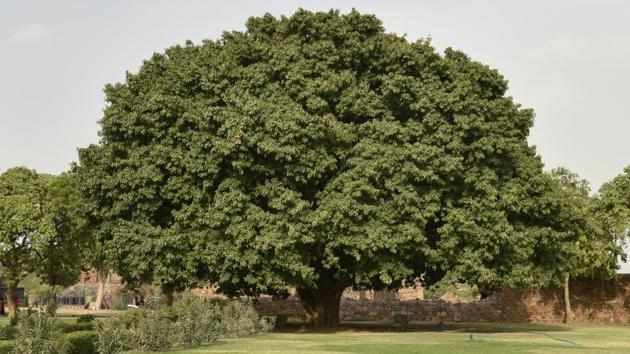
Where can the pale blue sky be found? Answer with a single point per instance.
(569, 60)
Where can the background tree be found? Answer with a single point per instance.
(318, 152)
(613, 207)
(585, 250)
(63, 257)
(25, 227)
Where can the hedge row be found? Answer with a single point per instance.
(81, 342)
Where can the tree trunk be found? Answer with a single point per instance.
(51, 301)
(568, 313)
(321, 306)
(169, 294)
(10, 297)
(100, 290)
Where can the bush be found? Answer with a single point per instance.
(75, 327)
(110, 334)
(197, 321)
(120, 304)
(155, 298)
(82, 342)
(153, 332)
(239, 318)
(401, 319)
(6, 347)
(281, 321)
(190, 322)
(37, 333)
(131, 317)
(86, 319)
(13, 321)
(7, 332)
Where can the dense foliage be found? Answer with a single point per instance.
(37, 333)
(191, 322)
(25, 226)
(584, 248)
(80, 342)
(63, 257)
(613, 206)
(319, 152)
(42, 231)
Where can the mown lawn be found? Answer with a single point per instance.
(426, 338)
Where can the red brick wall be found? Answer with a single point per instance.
(592, 302)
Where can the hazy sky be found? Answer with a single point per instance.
(569, 60)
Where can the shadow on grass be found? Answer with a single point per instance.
(296, 326)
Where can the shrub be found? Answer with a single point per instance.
(132, 317)
(75, 327)
(120, 304)
(82, 342)
(190, 322)
(85, 319)
(239, 318)
(110, 334)
(37, 333)
(7, 332)
(401, 319)
(153, 332)
(6, 347)
(197, 320)
(281, 321)
(13, 321)
(154, 298)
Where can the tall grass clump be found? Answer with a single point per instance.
(37, 333)
(110, 336)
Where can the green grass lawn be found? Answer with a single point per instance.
(362, 337)
(425, 338)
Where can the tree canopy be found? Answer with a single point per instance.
(588, 250)
(25, 226)
(63, 257)
(41, 229)
(613, 208)
(317, 151)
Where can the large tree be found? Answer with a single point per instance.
(318, 152)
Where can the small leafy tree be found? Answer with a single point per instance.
(25, 227)
(613, 206)
(585, 250)
(41, 231)
(63, 257)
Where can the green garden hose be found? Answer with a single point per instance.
(474, 338)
